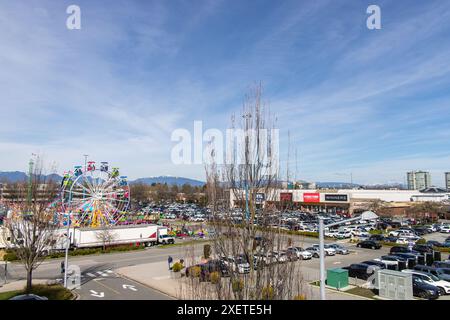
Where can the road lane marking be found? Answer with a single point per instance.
(107, 287)
(97, 294)
(129, 286)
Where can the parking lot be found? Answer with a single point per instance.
(310, 268)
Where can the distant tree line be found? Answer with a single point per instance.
(161, 192)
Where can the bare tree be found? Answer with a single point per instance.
(106, 236)
(243, 235)
(32, 226)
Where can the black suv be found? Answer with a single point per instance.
(377, 237)
(422, 248)
(369, 244)
(358, 270)
(399, 249)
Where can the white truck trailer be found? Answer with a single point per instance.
(97, 237)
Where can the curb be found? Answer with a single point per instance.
(342, 292)
(76, 296)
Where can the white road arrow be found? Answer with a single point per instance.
(97, 294)
(128, 286)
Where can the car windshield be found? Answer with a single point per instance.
(433, 277)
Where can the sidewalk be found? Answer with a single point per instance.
(19, 284)
(155, 275)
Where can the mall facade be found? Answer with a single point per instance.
(345, 201)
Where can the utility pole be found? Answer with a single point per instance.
(30, 180)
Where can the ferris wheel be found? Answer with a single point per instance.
(94, 196)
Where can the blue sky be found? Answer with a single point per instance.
(374, 103)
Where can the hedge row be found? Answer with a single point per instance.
(12, 256)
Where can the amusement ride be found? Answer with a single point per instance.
(94, 195)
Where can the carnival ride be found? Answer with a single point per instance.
(94, 196)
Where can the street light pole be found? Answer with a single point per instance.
(322, 259)
(66, 258)
(367, 215)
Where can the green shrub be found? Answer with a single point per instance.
(10, 255)
(375, 232)
(421, 241)
(177, 266)
(206, 251)
(52, 292)
(268, 293)
(195, 271)
(214, 277)
(237, 285)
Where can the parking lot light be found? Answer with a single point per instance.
(366, 215)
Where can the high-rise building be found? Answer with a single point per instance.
(418, 180)
(447, 181)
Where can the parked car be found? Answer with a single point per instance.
(302, 254)
(331, 233)
(28, 297)
(424, 290)
(443, 286)
(359, 233)
(377, 237)
(237, 264)
(379, 264)
(279, 256)
(441, 264)
(407, 256)
(433, 243)
(292, 256)
(339, 248)
(441, 273)
(207, 268)
(369, 244)
(358, 270)
(422, 248)
(329, 251)
(399, 249)
(389, 261)
(445, 229)
(343, 235)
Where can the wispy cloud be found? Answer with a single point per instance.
(372, 102)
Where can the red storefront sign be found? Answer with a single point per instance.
(311, 197)
(286, 196)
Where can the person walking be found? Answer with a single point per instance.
(170, 260)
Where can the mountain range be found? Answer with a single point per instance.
(18, 176)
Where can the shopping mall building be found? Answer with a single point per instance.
(346, 201)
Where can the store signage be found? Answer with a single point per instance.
(259, 197)
(336, 197)
(311, 197)
(286, 196)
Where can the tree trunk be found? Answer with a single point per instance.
(29, 280)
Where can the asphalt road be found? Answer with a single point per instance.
(107, 285)
(98, 279)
